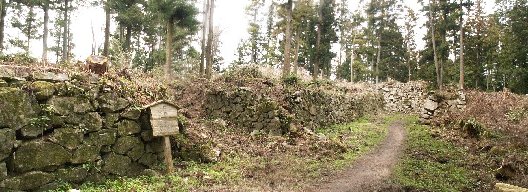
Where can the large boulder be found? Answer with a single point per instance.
(128, 127)
(116, 164)
(7, 140)
(37, 155)
(69, 105)
(16, 108)
(110, 102)
(27, 181)
(68, 138)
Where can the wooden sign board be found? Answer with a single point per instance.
(164, 121)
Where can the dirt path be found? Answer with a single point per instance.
(371, 170)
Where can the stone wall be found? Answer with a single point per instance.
(294, 108)
(442, 103)
(54, 128)
(403, 97)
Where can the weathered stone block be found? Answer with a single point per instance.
(28, 181)
(132, 113)
(43, 90)
(50, 76)
(125, 144)
(116, 164)
(110, 102)
(101, 138)
(137, 151)
(110, 119)
(128, 127)
(85, 154)
(37, 155)
(149, 160)
(68, 138)
(16, 108)
(3, 171)
(430, 105)
(92, 122)
(69, 105)
(36, 127)
(7, 140)
(72, 175)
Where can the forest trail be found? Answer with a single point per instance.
(370, 171)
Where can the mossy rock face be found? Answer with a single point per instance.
(69, 105)
(117, 164)
(110, 120)
(27, 181)
(102, 138)
(128, 127)
(85, 154)
(36, 127)
(69, 138)
(132, 114)
(38, 155)
(72, 175)
(43, 90)
(3, 171)
(7, 140)
(16, 108)
(110, 102)
(149, 160)
(92, 122)
(125, 144)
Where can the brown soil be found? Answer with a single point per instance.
(370, 171)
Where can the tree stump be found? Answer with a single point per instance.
(97, 64)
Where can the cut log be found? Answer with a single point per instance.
(509, 188)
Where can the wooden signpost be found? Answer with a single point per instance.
(164, 121)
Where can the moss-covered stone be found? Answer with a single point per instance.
(85, 154)
(43, 90)
(149, 160)
(102, 138)
(3, 171)
(128, 127)
(3, 83)
(92, 122)
(110, 120)
(110, 102)
(28, 181)
(132, 113)
(37, 155)
(72, 175)
(68, 138)
(36, 127)
(69, 105)
(125, 144)
(7, 140)
(16, 108)
(136, 152)
(116, 164)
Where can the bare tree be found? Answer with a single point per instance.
(287, 42)
(209, 67)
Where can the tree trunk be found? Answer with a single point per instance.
(317, 62)
(106, 45)
(287, 42)
(65, 33)
(128, 38)
(378, 58)
(209, 67)
(204, 33)
(168, 48)
(433, 39)
(461, 80)
(352, 58)
(3, 13)
(45, 34)
(29, 26)
(296, 56)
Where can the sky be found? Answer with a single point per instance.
(229, 17)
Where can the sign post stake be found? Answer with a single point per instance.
(168, 155)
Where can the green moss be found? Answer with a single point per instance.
(431, 164)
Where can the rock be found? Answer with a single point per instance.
(132, 114)
(69, 105)
(146, 135)
(128, 127)
(110, 102)
(3, 171)
(16, 108)
(43, 90)
(36, 127)
(3, 83)
(7, 140)
(102, 138)
(125, 144)
(116, 164)
(72, 175)
(68, 138)
(110, 119)
(92, 122)
(503, 187)
(28, 181)
(136, 152)
(37, 155)
(149, 160)
(52, 77)
(430, 105)
(85, 154)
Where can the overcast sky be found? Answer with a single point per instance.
(229, 17)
